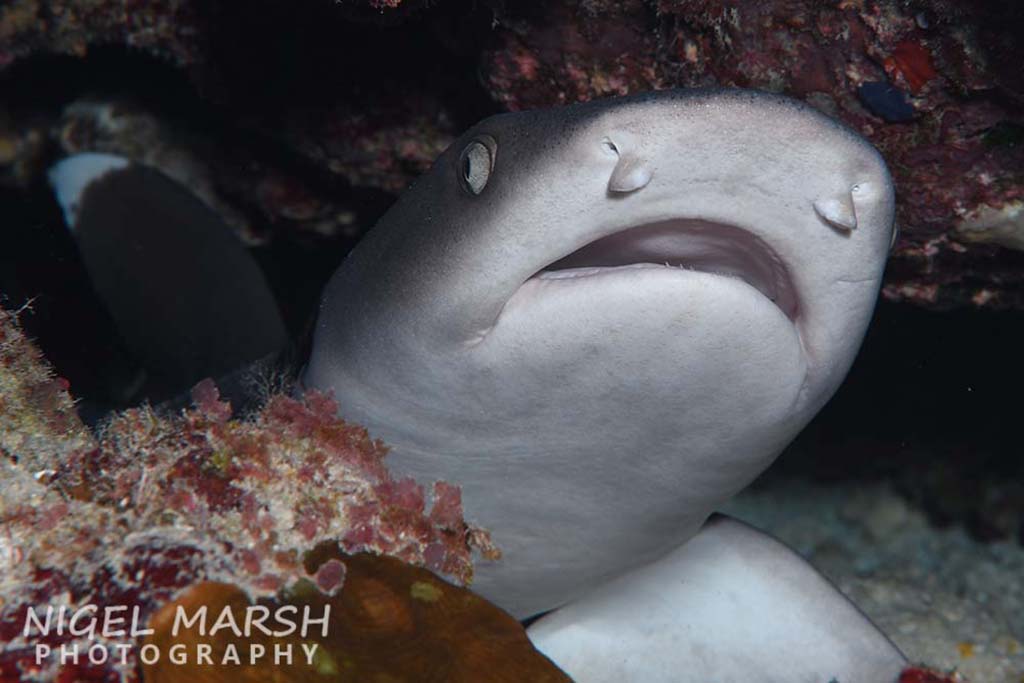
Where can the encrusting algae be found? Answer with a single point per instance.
(158, 507)
(391, 622)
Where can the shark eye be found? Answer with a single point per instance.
(476, 164)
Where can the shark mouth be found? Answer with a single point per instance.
(693, 244)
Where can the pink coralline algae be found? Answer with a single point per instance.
(159, 503)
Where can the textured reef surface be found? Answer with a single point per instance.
(933, 86)
(158, 503)
(375, 88)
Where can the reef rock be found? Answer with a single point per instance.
(160, 503)
(932, 85)
(376, 88)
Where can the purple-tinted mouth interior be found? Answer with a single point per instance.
(692, 244)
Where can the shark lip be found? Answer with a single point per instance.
(692, 244)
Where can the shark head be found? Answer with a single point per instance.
(604, 320)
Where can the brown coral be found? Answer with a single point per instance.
(390, 622)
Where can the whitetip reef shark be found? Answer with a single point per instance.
(603, 321)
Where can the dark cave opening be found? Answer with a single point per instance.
(233, 106)
(929, 405)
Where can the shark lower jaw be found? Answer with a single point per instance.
(688, 244)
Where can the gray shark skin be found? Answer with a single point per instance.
(604, 320)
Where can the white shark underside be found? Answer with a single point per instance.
(730, 606)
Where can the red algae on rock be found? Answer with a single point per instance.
(950, 130)
(918, 674)
(159, 503)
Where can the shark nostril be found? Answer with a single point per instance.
(838, 211)
(632, 173)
